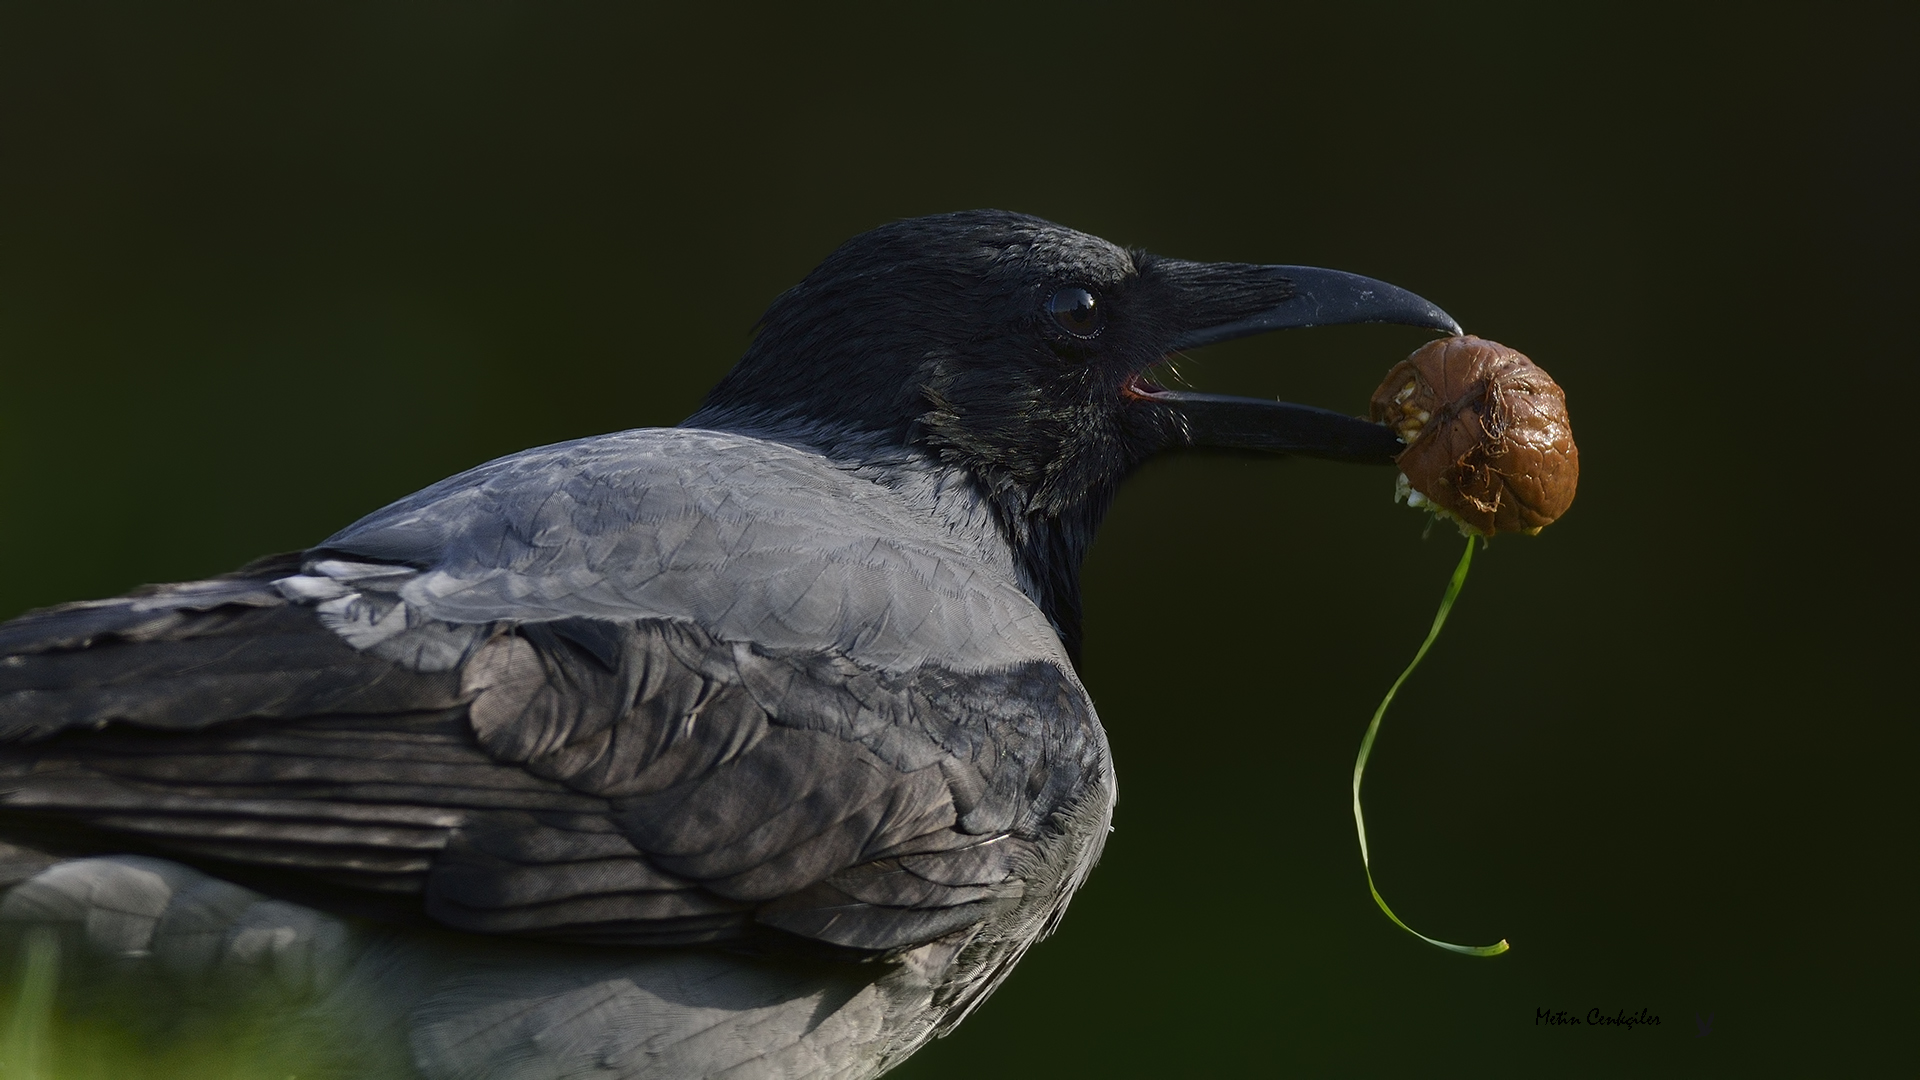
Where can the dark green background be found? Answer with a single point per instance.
(264, 268)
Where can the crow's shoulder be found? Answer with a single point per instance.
(749, 538)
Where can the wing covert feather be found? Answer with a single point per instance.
(641, 781)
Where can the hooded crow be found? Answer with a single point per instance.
(753, 747)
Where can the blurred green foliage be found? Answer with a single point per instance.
(43, 1037)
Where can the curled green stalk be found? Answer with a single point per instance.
(1366, 748)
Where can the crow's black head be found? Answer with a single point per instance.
(1016, 350)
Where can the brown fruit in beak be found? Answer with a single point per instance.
(1488, 439)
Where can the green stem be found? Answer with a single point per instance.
(1366, 748)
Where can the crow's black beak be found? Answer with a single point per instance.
(1306, 296)
(1231, 300)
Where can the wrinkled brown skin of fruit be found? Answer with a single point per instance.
(1487, 433)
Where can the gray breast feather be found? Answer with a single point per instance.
(749, 539)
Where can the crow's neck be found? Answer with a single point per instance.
(1050, 550)
(1041, 551)
(1044, 550)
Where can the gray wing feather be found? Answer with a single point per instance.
(644, 781)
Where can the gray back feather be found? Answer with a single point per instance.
(749, 539)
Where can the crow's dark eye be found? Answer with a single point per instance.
(1076, 312)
